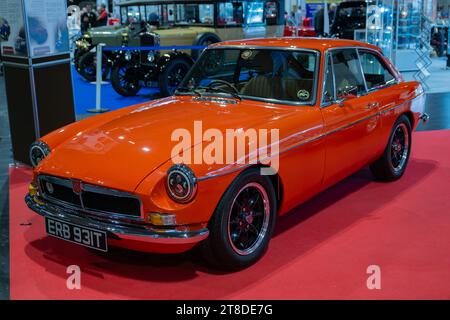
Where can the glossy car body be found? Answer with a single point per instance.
(129, 150)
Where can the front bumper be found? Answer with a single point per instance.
(135, 232)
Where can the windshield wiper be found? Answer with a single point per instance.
(187, 90)
(220, 90)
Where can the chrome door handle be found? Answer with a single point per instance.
(373, 105)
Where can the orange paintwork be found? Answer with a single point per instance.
(129, 149)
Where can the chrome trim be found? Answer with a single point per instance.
(65, 182)
(43, 147)
(143, 233)
(362, 71)
(189, 175)
(370, 50)
(322, 135)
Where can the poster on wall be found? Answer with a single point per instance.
(12, 34)
(47, 27)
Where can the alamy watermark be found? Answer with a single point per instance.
(234, 146)
(74, 279)
(374, 279)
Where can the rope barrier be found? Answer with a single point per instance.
(160, 48)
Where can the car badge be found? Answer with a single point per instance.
(49, 187)
(246, 54)
(77, 186)
(303, 95)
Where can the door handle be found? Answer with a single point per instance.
(372, 105)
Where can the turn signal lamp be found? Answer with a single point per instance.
(33, 189)
(162, 219)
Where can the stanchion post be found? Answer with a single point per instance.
(98, 81)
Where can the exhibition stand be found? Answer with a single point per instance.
(37, 71)
(323, 249)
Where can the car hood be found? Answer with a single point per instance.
(122, 152)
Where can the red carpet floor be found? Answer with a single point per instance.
(320, 251)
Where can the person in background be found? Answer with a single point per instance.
(319, 19)
(102, 18)
(290, 21)
(318, 22)
(88, 18)
(332, 12)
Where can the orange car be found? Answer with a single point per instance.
(159, 177)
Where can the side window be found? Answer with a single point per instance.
(375, 71)
(328, 90)
(347, 73)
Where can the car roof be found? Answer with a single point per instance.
(320, 44)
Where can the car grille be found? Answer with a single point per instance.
(148, 40)
(87, 197)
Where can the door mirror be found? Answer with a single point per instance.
(348, 93)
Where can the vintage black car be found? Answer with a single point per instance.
(145, 66)
(350, 16)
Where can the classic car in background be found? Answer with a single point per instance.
(180, 23)
(338, 105)
(350, 16)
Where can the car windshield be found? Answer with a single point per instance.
(268, 74)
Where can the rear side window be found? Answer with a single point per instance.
(375, 71)
(347, 73)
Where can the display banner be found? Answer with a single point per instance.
(12, 33)
(47, 27)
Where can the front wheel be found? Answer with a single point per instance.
(87, 66)
(392, 164)
(172, 76)
(124, 79)
(243, 222)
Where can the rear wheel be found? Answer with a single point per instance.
(173, 74)
(204, 41)
(242, 225)
(124, 79)
(392, 164)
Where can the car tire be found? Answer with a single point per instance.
(172, 75)
(232, 244)
(204, 40)
(87, 67)
(125, 87)
(392, 164)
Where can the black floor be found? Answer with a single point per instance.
(437, 106)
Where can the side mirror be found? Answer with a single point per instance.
(348, 93)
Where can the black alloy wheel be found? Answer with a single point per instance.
(394, 160)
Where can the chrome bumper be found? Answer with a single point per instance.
(136, 232)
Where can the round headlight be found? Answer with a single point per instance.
(150, 56)
(181, 183)
(127, 55)
(38, 151)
